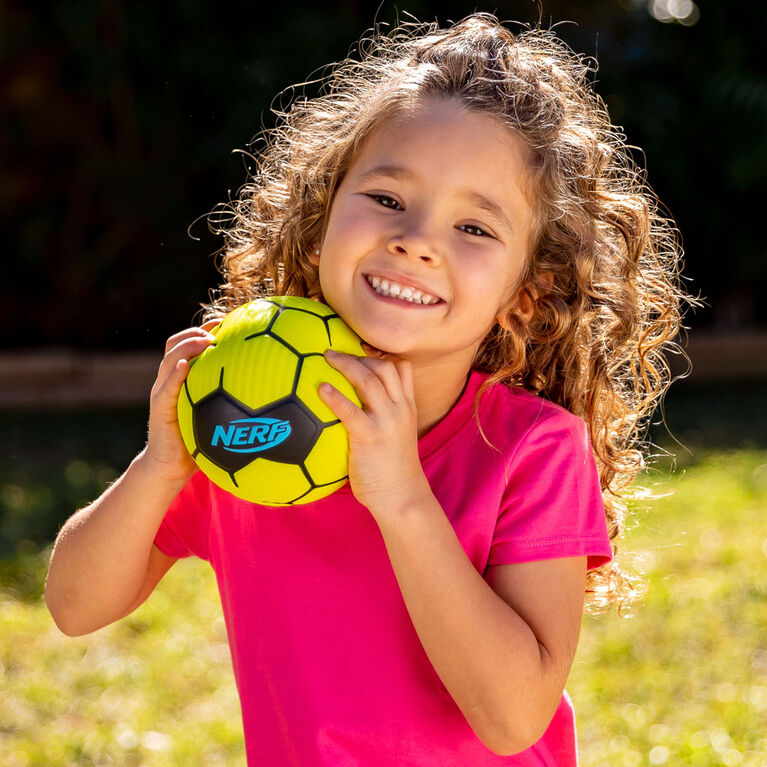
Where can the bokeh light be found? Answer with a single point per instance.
(684, 12)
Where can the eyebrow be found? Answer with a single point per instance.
(398, 173)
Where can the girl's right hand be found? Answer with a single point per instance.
(165, 450)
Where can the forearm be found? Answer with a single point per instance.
(101, 554)
(486, 655)
(504, 660)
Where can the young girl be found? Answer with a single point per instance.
(461, 199)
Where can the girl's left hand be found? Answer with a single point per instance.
(384, 468)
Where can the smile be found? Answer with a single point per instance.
(411, 295)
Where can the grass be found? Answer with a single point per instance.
(684, 680)
(681, 681)
(155, 689)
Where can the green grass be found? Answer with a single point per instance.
(54, 462)
(683, 681)
(154, 689)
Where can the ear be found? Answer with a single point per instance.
(523, 302)
(314, 255)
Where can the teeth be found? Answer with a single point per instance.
(403, 292)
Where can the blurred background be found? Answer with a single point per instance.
(119, 120)
(118, 125)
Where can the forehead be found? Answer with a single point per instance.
(449, 147)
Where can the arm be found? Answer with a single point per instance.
(502, 647)
(104, 563)
(104, 556)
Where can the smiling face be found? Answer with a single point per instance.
(428, 234)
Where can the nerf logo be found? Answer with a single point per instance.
(251, 435)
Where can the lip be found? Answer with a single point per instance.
(402, 279)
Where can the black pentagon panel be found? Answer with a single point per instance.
(231, 435)
(212, 413)
(305, 430)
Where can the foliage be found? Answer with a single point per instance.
(119, 120)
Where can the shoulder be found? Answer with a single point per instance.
(515, 416)
(201, 493)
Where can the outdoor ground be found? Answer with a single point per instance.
(683, 681)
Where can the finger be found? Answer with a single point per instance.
(195, 332)
(372, 351)
(369, 386)
(210, 324)
(350, 415)
(166, 395)
(387, 367)
(185, 349)
(405, 370)
(387, 370)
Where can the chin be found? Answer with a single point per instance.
(389, 343)
(381, 347)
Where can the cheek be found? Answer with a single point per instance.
(347, 240)
(355, 218)
(488, 288)
(482, 279)
(334, 273)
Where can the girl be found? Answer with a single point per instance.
(461, 199)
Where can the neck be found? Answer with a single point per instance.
(437, 389)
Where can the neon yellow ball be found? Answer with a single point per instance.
(249, 412)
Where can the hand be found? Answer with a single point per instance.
(385, 471)
(165, 450)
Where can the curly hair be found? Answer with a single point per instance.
(604, 268)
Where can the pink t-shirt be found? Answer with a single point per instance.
(328, 665)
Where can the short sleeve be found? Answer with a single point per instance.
(552, 505)
(184, 529)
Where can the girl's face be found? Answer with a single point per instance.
(428, 234)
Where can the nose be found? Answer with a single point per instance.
(415, 242)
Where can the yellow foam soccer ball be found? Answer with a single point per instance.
(249, 412)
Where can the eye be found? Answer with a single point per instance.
(475, 230)
(385, 201)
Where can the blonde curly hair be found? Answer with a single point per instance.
(604, 270)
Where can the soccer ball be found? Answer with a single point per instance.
(249, 412)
